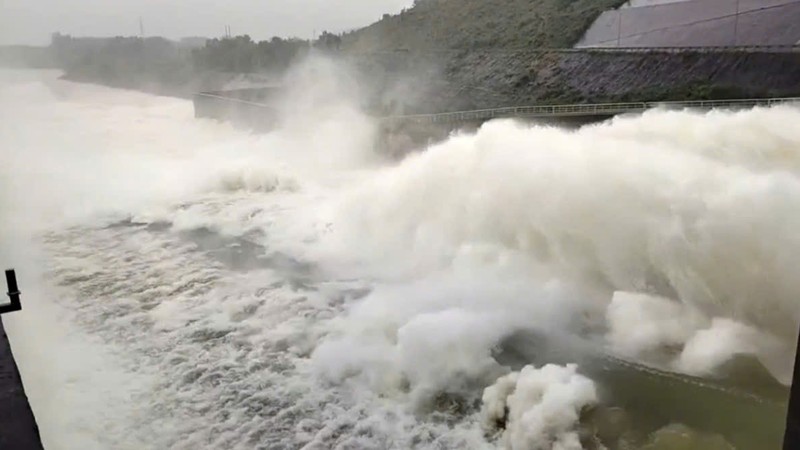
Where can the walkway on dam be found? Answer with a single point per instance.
(218, 105)
(585, 110)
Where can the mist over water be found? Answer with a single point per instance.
(191, 285)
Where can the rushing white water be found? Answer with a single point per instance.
(190, 285)
(542, 406)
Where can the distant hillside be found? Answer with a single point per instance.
(449, 55)
(470, 24)
(162, 66)
(445, 55)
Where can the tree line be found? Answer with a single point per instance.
(240, 54)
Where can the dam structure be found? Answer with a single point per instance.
(599, 110)
(261, 116)
(227, 106)
(697, 23)
(714, 54)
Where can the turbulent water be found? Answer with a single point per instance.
(190, 285)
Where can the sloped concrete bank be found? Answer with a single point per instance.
(529, 77)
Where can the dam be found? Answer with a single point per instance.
(696, 23)
(401, 133)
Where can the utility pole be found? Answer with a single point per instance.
(141, 27)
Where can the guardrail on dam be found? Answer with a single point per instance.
(586, 110)
(222, 106)
(262, 116)
(400, 134)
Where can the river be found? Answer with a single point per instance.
(188, 284)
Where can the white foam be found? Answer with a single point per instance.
(437, 334)
(382, 286)
(613, 207)
(540, 408)
(641, 324)
(711, 347)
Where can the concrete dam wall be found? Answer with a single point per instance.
(698, 23)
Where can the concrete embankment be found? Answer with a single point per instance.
(529, 77)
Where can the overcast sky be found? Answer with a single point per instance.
(32, 21)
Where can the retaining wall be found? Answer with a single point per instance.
(694, 23)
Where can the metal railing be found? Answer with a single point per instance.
(590, 109)
(583, 110)
(231, 99)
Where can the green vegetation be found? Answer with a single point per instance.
(561, 95)
(471, 24)
(693, 91)
(155, 64)
(176, 68)
(565, 95)
(122, 61)
(243, 55)
(445, 55)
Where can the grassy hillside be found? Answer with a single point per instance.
(471, 24)
(530, 78)
(473, 54)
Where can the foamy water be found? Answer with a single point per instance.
(190, 285)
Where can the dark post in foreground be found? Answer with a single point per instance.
(13, 293)
(791, 440)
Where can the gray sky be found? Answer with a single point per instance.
(32, 21)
